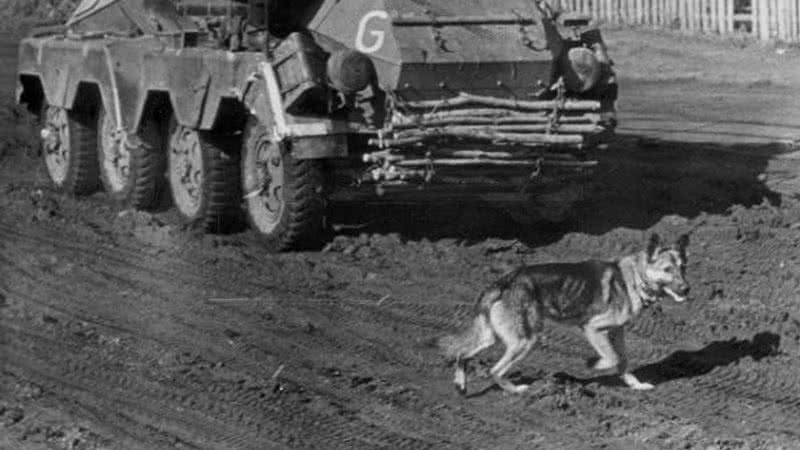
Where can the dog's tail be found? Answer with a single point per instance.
(455, 346)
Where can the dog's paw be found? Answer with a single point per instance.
(509, 387)
(521, 388)
(634, 383)
(515, 389)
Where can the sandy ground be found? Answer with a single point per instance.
(123, 330)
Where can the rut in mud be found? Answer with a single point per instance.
(128, 330)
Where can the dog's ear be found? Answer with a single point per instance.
(652, 246)
(681, 244)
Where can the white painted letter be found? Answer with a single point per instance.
(379, 36)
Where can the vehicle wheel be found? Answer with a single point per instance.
(204, 177)
(131, 167)
(69, 147)
(284, 196)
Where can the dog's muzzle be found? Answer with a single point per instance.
(678, 295)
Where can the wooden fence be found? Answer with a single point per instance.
(763, 19)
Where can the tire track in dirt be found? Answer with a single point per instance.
(224, 403)
(127, 433)
(339, 426)
(480, 428)
(112, 262)
(152, 410)
(131, 257)
(714, 389)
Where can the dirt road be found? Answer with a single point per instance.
(125, 331)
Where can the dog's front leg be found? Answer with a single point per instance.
(617, 338)
(601, 343)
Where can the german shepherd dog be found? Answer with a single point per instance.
(599, 296)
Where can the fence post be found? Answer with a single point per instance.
(702, 14)
(772, 26)
(654, 12)
(686, 20)
(647, 9)
(775, 20)
(697, 17)
(788, 20)
(755, 21)
(640, 12)
(673, 12)
(729, 7)
(610, 6)
(626, 11)
(763, 19)
(784, 18)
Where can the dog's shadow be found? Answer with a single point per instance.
(689, 364)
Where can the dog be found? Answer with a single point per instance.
(599, 296)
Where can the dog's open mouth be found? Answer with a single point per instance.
(674, 295)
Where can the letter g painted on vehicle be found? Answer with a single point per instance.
(378, 36)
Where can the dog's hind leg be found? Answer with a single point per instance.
(617, 337)
(514, 331)
(483, 339)
(515, 352)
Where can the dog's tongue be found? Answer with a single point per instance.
(674, 296)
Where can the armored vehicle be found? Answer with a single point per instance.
(270, 110)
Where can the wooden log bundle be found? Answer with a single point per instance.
(465, 99)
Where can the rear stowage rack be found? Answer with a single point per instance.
(471, 131)
(557, 122)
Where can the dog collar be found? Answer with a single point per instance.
(648, 294)
(645, 291)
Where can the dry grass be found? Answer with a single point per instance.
(641, 54)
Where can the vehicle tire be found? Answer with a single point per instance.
(131, 167)
(284, 197)
(204, 177)
(69, 148)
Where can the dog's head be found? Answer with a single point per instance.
(664, 268)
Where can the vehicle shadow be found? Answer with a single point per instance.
(690, 364)
(639, 181)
